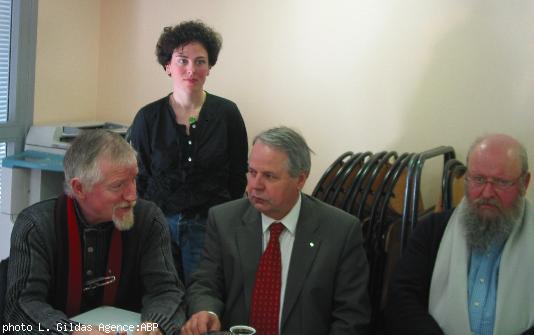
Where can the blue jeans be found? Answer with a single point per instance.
(188, 234)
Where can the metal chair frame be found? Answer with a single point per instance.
(413, 187)
(351, 175)
(368, 185)
(331, 171)
(354, 191)
(452, 170)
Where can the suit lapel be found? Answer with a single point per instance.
(305, 248)
(249, 245)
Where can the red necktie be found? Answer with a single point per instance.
(265, 308)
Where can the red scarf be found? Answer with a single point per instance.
(74, 293)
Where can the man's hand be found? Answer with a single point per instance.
(200, 323)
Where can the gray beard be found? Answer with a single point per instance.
(124, 223)
(482, 232)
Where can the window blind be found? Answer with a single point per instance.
(5, 47)
(2, 155)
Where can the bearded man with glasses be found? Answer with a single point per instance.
(469, 271)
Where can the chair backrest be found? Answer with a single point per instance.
(350, 176)
(3, 288)
(456, 191)
(372, 183)
(354, 192)
(412, 197)
(328, 177)
(453, 183)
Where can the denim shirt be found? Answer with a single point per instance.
(482, 289)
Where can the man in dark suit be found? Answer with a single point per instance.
(322, 280)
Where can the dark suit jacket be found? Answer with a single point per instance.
(326, 290)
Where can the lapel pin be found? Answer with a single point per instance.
(312, 244)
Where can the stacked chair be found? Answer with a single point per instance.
(384, 191)
(452, 184)
(330, 176)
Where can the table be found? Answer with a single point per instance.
(110, 318)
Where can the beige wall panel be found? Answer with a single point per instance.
(359, 75)
(66, 78)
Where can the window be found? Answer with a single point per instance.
(5, 47)
(18, 33)
(2, 155)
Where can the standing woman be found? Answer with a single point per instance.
(192, 145)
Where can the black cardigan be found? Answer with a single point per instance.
(217, 172)
(407, 305)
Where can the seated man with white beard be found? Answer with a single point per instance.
(95, 245)
(471, 271)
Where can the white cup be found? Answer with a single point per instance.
(242, 330)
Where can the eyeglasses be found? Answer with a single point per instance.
(500, 184)
(98, 282)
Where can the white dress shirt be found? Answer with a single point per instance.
(287, 237)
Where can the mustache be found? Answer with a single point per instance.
(126, 204)
(491, 202)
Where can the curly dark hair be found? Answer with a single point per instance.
(184, 33)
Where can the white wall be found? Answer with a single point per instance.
(349, 74)
(66, 75)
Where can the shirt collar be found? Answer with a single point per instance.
(289, 221)
(82, 222)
